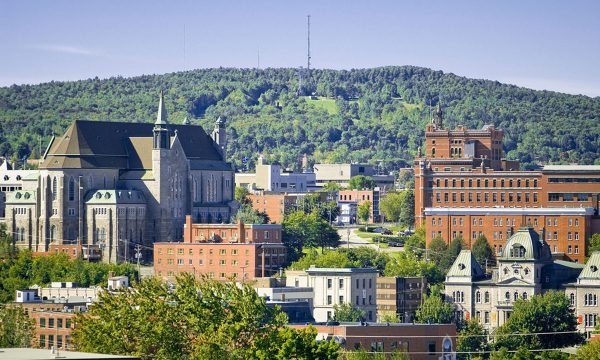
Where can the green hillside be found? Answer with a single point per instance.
(356, 115)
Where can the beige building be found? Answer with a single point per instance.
(525, 268)
(400, 296)
(271, 178)
(356, 286)
(113, 187)
(342, 173)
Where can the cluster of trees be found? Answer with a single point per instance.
(302, 230)
(201, 319)
(399, 207)
(377, 113)
(20, 269)
(443, 255)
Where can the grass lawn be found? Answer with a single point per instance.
(324, 103)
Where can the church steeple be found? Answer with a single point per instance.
(160, 131)
(437, 116)
(186, 121)
(161, 117)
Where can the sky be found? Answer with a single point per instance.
(552, 45)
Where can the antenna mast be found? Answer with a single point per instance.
(308, 37)
(184, 48)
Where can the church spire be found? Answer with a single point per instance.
(437, 116)
(186, 121)
(161, 118)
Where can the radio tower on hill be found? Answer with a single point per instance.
(304, 74)
(308, 52)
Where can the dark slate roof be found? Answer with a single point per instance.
(120, 145)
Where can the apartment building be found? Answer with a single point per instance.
(356, 286)
(222, 251)
(350, 200)
(465, 187)
(400, 296)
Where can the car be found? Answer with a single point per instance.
(386, 232)
(395, 244)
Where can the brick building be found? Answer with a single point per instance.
(465, 187)
(419, 341)
(350, 200)
(222, 251)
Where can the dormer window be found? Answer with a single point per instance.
(517, 251)
(593, 268)
(461, 266)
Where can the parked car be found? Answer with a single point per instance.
(387, 232)
(395, 244)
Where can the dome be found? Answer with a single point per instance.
(525, 244)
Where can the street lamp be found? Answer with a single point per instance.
(348, 234)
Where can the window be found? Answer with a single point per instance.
(576, 235)
(478, 297)
(572, 299)
(486, 297)
(42, 341)
(329, 283)
(51, 323)
(329, 300)
(179, 261)
(431, 348)
(54, 188)
(341, 300)
(524, 296)
(486, 317)
(341, 283)
(42, 322)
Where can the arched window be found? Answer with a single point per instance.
(494, 183)
(516, 296)
(507, 295)
(486, 183)
(437, 183)
(453, 182)
(470, 182)
(54, 188)
(71, 189)
(572, 299)
(432, 152)
(510, 183)
(486, 297)
(524, 296)
(534, 182)
(478, 182)
(527, 183)
(519, 183)
(445, 182)
(502, 183)
(462, 183)
(478, 296)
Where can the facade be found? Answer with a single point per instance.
(356, 286)
(222, 251)
(108, 187)
(419, 341)
(525, 268)
(400, 296)
(465, 187)
(342, 173)
(271, 178)
(277, 205)
(350, 200)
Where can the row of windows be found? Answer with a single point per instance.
(589, 320)
(222, 262)
(486, 183)
(517, 197)
(569, 197)
(59, 341)
(211, 275)
(50, 322)
(515, 297)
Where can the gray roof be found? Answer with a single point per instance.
(315, 270)
(465, 265)
(122, 145)
(527, 238)
(575, 167)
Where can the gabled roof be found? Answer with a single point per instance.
(161, 117)
(122, 145)
(465, 265)
(591, 271)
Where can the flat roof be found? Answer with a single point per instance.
(341, 270)
(583, 211)
(45, 354)
(571, 168)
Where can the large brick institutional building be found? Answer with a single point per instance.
(465, 187)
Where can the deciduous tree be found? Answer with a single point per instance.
(348, 312)
(16, 328)
(434, 310)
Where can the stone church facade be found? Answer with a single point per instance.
(112, 187)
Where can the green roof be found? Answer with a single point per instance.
(527, 239)
(465, 265)
(109, 196)
(592, 268)
(22, 197)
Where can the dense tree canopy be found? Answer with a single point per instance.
(197, 319)
(359, 115)
(16, 327)
(302, 230)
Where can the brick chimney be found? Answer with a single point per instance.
(187, 229)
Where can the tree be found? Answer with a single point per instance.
(348, 312)
(471, 339)
(391, 205)
(360, 257)
(434, 310)
(331, 187)
(249, 215)
(8, 250)
(591, 350)
(407, 215)
(16, 328)
(388, 317)
(437, 250)
(594, 244)
(550, 314)
(416, 243)
(361, 182)
(197, 319)
(482, 251)
(307, 230)
(241, 195)
(364, 211)
(456, 245)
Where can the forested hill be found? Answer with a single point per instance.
(357, 115)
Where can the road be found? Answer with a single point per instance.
(356, 241)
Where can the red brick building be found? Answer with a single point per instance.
(419, 341)
(222, 251)
(350, 200)
(274, 205)
(465, 187)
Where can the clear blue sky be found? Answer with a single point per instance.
(547, 44)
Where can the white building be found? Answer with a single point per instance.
(271, 178)
(525, 269)
(356, 286)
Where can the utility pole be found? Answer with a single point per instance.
(138, 256)
(308, 52)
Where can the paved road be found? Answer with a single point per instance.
(356, 241)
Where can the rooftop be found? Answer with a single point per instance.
(43, 354)
(571, 168)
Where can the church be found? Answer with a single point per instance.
(525, 268)
(113, 189)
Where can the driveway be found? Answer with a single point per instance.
(356, 241)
